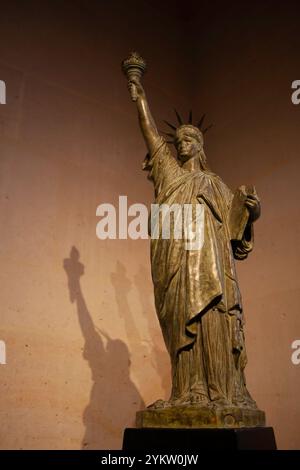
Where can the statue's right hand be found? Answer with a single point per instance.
(136, 89)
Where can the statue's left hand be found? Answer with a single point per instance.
(253, 205)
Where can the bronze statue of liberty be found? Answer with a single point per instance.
(197, 297)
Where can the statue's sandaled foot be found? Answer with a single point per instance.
(221, 403)
(246, 403)
(181, 401)
(199, 399)
(159, 404)
(192, 398)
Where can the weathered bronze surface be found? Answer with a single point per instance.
(193, 416)
(197, 297)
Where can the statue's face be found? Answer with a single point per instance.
(187, 145)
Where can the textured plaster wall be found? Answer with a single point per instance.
(77, 372)
(84, 349)
(249, 57)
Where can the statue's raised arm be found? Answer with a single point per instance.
(134, 67)
(197, 297)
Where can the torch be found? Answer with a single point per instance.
(134, 68)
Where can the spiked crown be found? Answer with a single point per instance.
(198, 126)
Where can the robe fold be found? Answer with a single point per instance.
(189, 283)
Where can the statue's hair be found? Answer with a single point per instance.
(194, 131)
(196, 134)
(190, 125)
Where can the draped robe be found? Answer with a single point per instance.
(197, 297)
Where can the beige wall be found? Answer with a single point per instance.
(248, 58)
(77, 371)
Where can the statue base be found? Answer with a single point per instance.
(200, 417)
(260, 438)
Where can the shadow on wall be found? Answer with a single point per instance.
(148, 353)
(159, 356)
(114, 399)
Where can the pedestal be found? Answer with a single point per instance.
(162, 439)
(200, 417)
